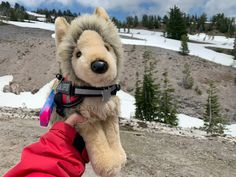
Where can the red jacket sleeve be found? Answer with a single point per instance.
(54, 155)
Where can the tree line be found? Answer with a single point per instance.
(51, 15)
(16, 13)
(176, 20)
(175, 24)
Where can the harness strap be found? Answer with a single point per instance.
(69, 96)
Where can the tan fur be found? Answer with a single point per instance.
(102, 13)
(96, 37)
(61, 27)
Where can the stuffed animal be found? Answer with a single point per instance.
(89, 52)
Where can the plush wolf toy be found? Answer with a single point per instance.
(89, 53)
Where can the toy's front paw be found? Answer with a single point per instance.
(108, 166)
(123, 158)
(111, 170)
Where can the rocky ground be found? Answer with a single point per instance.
(151, 152)
(29, 55)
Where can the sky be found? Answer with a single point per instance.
(123, 8)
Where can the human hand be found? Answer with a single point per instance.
(75, 119)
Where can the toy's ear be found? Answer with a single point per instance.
(101, 13)
(61, 27)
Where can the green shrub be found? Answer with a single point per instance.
(198, 91)
(187, 78)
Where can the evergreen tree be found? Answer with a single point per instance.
(147, 96)
(176, 26)
(213, 121)
(138, 99)
(13, 16)
(231, 27)
(187, 78)
(150, 22)
(201, 23)
(136, 22)
(165, 19)
(130, 21)
(234, 49)
(223, 24)
(145, 20)
(168, 107)
(49, 18)
(184, 45)
(115, 21)
(193, 25)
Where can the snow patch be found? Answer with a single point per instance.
(189, 122)
(156, 39)
(24, 99)
(36, 14)
(33, 24)
(231, 130)
(127, 105)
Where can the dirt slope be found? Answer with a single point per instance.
(149, 154)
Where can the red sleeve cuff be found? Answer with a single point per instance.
(65, 129)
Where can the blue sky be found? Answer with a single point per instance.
(123, 8)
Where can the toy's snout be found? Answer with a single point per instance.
(99, 66)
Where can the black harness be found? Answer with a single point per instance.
(78, 93)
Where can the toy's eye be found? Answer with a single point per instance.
(78, 54)
(107, 47)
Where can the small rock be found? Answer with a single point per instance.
(34, 91)
(6, 89)
(13, 88)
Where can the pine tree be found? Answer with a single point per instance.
(176, 26)
(234, 49)
(234, 53)
(213, 121)
(147, 96)
(136, 22)
(187, 78)
(165, 19)
(145, 20)
(184, 45)
(201, 23)
(168, 107)
(138, 99)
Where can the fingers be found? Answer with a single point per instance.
(74, 119)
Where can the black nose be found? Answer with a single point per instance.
(99, 66)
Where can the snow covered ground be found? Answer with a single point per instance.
(29, 100)
(156, 39)
(33, 24)
(36, 14)
(25, 99)
(39, 17)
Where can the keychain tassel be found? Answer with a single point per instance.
(46, 111)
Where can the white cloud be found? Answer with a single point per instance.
(160, 7)
(219, 6)
(37, 3)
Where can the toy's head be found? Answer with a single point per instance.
(89, 49)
